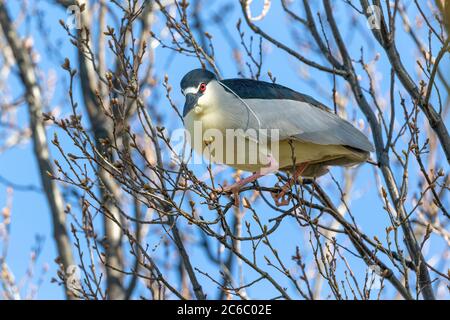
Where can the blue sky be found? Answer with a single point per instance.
(30, 216)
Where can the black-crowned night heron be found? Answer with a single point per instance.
(308, 136)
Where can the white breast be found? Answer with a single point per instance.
(219, 130)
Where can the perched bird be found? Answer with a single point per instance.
(308, 136)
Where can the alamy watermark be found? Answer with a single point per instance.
(373, 17)
(73, 20)
(73, 279)
(374, 277)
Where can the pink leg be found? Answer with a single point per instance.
(235, 187)
(238, 185)
(298, 172)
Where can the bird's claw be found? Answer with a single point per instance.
(234, 191)
(285, 199)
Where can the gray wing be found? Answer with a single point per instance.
(306, 122)
(295, 115)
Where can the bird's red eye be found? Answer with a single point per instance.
(202, 87)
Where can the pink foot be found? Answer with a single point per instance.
(280, 198)
(281, 195)
(233, 189)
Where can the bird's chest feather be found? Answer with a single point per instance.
(216, 131)
(216, 110)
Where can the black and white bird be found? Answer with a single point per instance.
(310, 137)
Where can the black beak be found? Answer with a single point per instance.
(191, 101)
